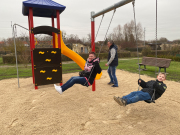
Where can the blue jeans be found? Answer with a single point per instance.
(136, 96)
(112, 75)
(72, 81)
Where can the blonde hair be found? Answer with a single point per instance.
(162, 73)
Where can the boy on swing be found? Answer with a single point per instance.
(151, 91)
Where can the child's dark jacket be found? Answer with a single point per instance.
(149, 87)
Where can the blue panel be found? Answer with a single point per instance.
(42, 8)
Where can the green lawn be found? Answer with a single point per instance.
(11, 72)
(128, 65)
(132, 66)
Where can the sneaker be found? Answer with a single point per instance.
(114, 86)
(120, 101)
(110, 83)
(124, 101)
(58, 88)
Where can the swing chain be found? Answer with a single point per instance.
(103, 42)
(107, 31)
(94, 44)
(133, 3)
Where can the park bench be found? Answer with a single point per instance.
(158, 62)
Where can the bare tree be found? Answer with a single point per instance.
(23, 51)
(163, 40)
(125, 36)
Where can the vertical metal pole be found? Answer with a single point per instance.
(156, 39)
(59, 36)
(16, 56)
(53, 33)
(144, 35)
(92, 43)
(32, 42)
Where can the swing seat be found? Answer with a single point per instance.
(149, 101)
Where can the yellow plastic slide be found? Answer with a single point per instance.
(72, 55)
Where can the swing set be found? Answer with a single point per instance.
(28, 11)
(114, 7)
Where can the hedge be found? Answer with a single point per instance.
(134, 49)
(160, 52)
(4, 52)
(173, 58)
(11, 59)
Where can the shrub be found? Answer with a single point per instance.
(146, 51)
(25, 59)
(135, 49)
(173, 58)
(9, 59)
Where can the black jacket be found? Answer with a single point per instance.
(115, 61)
(152, 85)
(90, 76)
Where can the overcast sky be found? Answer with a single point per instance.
(76, 17)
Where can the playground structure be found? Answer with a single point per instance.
(46, 62)
(51, 9)
(34, 8)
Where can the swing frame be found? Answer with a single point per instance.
(114, 7)
(102, 12)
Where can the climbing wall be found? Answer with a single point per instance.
(47, 66)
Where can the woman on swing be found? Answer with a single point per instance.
(86, 77)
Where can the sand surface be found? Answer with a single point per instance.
(79, 111)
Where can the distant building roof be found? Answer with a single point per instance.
(42, 8)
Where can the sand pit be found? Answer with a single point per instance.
(79, 111)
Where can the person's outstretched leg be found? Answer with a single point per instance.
(71, 82)
(123, 102)
(59, 89)
(114, 76)
(133, 97)
(132, 94)
(139, 96)
(110, 75)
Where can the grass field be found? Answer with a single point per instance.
(127, 65)
(132, 66)
(11, 72)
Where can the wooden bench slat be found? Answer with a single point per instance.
(158, 62)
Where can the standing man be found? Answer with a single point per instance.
(112, 63)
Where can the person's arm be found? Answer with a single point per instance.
(113, 53)
(142, 83)
(97, 67)
(159, 87)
